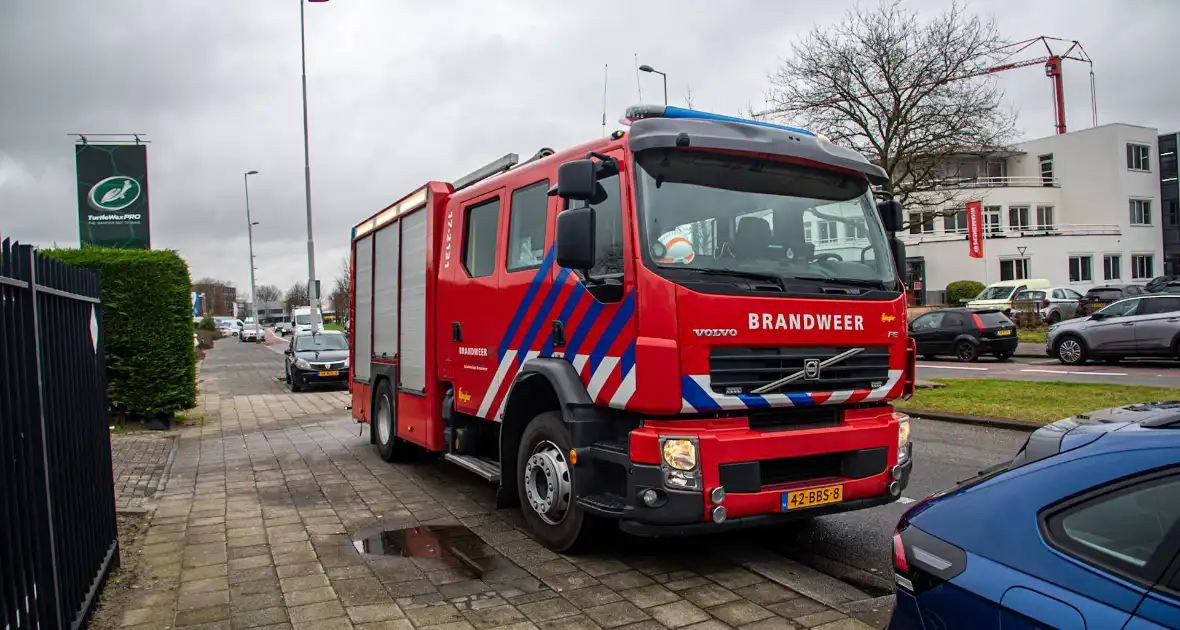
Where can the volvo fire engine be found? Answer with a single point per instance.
(694, 324)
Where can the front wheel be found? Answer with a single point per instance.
(294, 382)
(545, 483)
(1070, 351)
(382, 417)
(966, 352)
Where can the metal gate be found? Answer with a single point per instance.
(58, 534)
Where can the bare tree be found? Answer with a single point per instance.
(908, 93)
(689, 97)
(267, 293)
(342, 291)
(296, 296)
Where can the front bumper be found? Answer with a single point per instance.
(756, 468)
(312, 377)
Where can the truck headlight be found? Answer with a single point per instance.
(680, 454)
(903, 429)
(302, 364)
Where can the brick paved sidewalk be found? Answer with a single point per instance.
(264, 501)
(139, 460)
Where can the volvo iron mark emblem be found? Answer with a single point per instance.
(811, 369)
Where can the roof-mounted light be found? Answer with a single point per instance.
(639, 112)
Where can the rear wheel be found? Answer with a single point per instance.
(545, 483)
(382, 417)
(1071, 351)
(1054, 317)
(966, 352)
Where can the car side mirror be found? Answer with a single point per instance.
(575, 238)
(890, 212)
(577, 180)
(1099, 316)
(288, 352)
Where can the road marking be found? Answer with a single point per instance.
(905, 500)
(952, 367)
(1077, 372)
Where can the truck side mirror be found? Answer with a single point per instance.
(897, 248)
(890, 212)
(575, 237)
(577, 180)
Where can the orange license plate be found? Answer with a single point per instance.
(330, 373)
(1003, 333)
(812, 496)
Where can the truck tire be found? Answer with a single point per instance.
(544, 482)
(384, 424)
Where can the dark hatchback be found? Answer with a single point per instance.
(965, 334)
(320, 359)
(1099, 298)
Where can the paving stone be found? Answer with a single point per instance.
(592, 596)
(616, 614)
(765, 593)
(315, 612)
(302, 582)
(203, 600)
(684, 584)
(740, 612)
(736, 578)
(334, 623)
(259, 617)
(648, 596)
(678, 614)
(299, 570)
(625, 580)
(798, 607)
(242, 576)
(708, 595)
(845, 624)
(394, 624)
(203, 586)
(711, 624)
(255, 601)
(434, 615)
(574, 623)
(309, 596)
(569, 581)
(359, 591)
(598, 567)
(138, 616)
(548, 609)
(211, 571)
(374, 612)
(494, 617)
(207, 614)
(819, 618)
(771, 623)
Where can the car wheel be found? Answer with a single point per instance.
(545, 483)
(383, 419)
(1003, 356)
(287, 376)
(966, 352)
(1112, 360)
(1071, 351)
(295, 385)
(1054, 317)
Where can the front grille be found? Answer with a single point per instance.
(328, 366)
(768, 473)
(741, 370)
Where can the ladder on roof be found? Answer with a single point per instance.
(496, 167)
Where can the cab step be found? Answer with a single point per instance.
(606, 503)
(485, 468)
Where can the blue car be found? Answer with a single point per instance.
(1081, 530)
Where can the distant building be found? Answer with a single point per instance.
(216, 298)
(1170, 200)
(1079, 209)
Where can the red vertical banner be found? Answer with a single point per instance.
(975, 228)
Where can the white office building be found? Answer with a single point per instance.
(1080, 209)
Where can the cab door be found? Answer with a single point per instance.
(1115, 332)
(475, 308)
(1158, 325)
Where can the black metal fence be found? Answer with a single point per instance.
(58, 535)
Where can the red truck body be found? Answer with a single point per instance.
(467, 332)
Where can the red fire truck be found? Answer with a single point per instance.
(692, 325)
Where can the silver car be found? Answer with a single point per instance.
(1142, 326)
(1054, 304)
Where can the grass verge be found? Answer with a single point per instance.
(1036, 335)
(340, 327)
(1030, 400)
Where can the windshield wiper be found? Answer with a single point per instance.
(750, 275)
(855, 282)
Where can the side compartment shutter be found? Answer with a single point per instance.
(385, 268)
(363, 318)
(412, 365)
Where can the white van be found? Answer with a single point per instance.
(301, 317)
(999, 295)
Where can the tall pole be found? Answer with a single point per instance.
(311, 284)
(250, 239)
(665, 78)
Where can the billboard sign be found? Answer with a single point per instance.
(113, 195)
(975, 229)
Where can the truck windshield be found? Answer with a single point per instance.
(303, 320)
(995, 293)
(748, 217)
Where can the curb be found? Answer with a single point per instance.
(981, 421)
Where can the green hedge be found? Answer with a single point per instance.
(148, 324)
(960, 290)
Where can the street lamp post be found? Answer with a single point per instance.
(312, 293)
(250, 223)
(647, 68)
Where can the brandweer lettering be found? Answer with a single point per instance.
(805, 321)
(473, 352)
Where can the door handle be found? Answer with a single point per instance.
(1128, 323)
(456, 332)
(558, 334)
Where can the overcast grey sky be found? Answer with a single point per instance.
(403, 92)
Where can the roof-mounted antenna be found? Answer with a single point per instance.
(605, 69)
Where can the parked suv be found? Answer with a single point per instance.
(1100, 297)
(1144, 326)
(1053, 304)
(964, 333)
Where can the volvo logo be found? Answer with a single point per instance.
(811, 369)
(715, 332)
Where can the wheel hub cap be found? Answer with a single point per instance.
(547, 483)
(1070, 350)
(384, 421)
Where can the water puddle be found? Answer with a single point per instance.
(437, 542)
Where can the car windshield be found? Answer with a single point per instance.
(995, 293)
(304, 320)
(1030, 295)
(320, 342)
(250, 328)
(739, 216)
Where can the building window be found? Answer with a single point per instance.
(997, 173)
(1112, 267)
(1047, 170)
(526, 226)
(1172, 216)
(856, 230)
(1138, 157)
(1140, 212)
(827, 232)
(991, 219)
(1018, 218)
(1044, 217)
(807, 232)
(1014, 269)
(1080, 270)
(479, 239)
(955, 223)
(1142, 266)
(920, 223)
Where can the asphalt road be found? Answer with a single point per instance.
(1130, 372)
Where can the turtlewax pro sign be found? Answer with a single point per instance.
(113, 195)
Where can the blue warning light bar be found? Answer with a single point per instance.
(639, 112)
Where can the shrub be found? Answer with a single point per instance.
(147, 323)
(962, 290)
(207, 323)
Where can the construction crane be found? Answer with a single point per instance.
(1052, 63)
